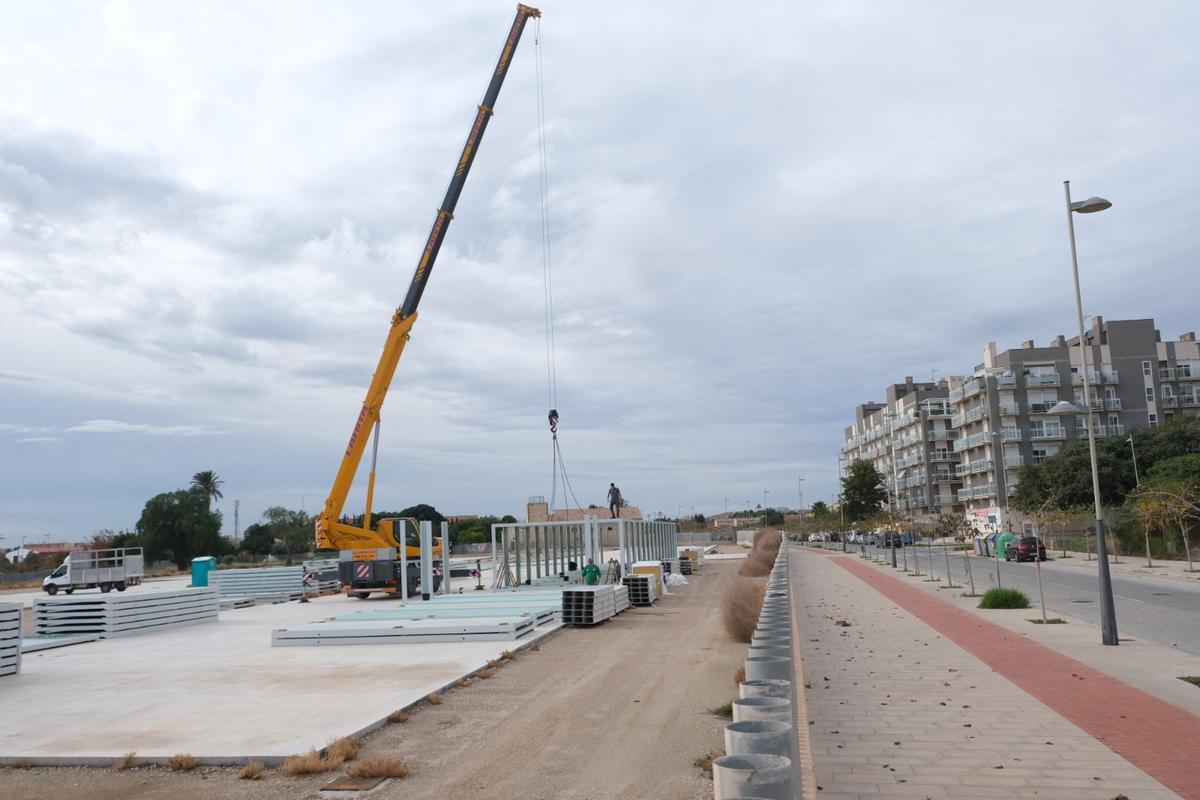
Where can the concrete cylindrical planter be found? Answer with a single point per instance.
(765, 687)
(742, 777)
(770, 666)
(755, 651)
(752, 708)
(753, 736)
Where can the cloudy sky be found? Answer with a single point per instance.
(759, 216)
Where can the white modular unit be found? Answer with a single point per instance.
(10, 638)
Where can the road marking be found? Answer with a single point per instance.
(1131, 599)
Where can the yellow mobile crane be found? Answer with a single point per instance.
(368, 556)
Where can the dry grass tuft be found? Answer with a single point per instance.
(378, 768)
(536, 648)
(398, 716)
(739, 675)
(343, 749)
(20, 764)
(484, 674)
(435, 699)
(252, 771)
(507, 655)
(183, 762)
(125, 762)
(743, 602)
(464, 683)
(310, 763)
(754, 567)
(493, 664)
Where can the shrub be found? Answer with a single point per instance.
(743, 602)
(343, 749)
(20, 763)
(310, 763)
(485, 673)
(739, 675)
(126, 761)
(183, 762)
(252, 771)
(1004, 598)
(705, 763)
(398, 716)
(507, 655)
(724, 712)
(378, 768)
(435, 699)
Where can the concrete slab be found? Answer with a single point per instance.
(220, 691)
(26, 596)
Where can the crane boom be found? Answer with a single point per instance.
(330, 532)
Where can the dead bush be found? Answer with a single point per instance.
(378, 768)
(398, 716)
(126, 761)
(754, 567)
(435, 699)
(311, 763)
(20, 763)
(743, 602)
(252, 771)
(183, 762)
(485, 673)
(507, 655)
(739, 675)
(343, 749)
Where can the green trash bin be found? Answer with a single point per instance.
(201, 566)
(1002, 543)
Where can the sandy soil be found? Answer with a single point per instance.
(615, 711)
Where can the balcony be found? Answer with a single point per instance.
(1010, 409)
(943, 455)
(1010, 434)
(987, 490)
(958, 420)
(1112, 403)
(942, 436)
(1048, 432)
(972, 387)
(971, 441)
(982, 465)
(1013, 462)
(1051, 379)
(1104, 376)
(1040, 407)
(1189, 400)
(1007, 379)
(943, 477)
(1169, 401)
(956, 395)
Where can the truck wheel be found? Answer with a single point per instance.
(69, 589)
(105, 588)
(360, 595)
(120, 587)
(52, 590)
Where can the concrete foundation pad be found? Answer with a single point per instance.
(220, 691)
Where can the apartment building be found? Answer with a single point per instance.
(959, 444)
(1001, 411)
(908, 439)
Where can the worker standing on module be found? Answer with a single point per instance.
(614, 500)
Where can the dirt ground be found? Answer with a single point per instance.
(619, 710)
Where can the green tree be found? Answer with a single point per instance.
(1180, 469)
(208, 483)
(293, 529)
(1065, 478)
(771, 516)
(257, 539)
(180, 526)
(819, 510)
(863, 493)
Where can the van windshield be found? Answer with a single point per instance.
(58, 573)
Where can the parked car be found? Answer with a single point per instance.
(1023, 549)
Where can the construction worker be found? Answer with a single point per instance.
(591, 573)
(614, 500)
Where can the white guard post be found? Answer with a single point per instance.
(426, 560)
(403, 561)
(445, 558)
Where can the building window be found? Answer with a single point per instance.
(1038, 455)
(1153, 420)
(1149, 394)
(1145, 367)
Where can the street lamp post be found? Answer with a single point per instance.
(1108, 612)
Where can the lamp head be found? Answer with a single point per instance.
(1064, 409)
(1091, 205)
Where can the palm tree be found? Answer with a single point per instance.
(208, 482)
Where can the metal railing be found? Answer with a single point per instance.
(1048, 432)
(1051, 379)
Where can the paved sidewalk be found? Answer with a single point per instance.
(899, 710)
(1133, 566)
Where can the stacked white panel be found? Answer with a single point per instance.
(621, 593)
(110, 615)
(642, 588)
(588, 605)
(264, 582)
(10, 638)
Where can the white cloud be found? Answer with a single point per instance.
(117, 426)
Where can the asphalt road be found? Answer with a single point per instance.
(1158, 611)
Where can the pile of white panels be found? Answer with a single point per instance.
(10, 638)
(113, 615)
(642, 588)
(415, 631)
(260, 582)
(670, 565)
(621, 593)
(588, 605)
